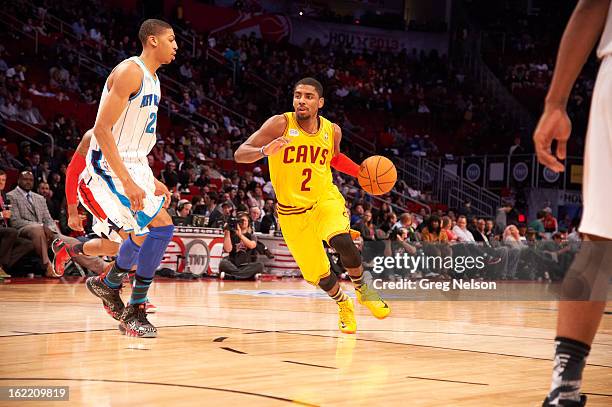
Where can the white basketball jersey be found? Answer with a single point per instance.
(134, 131)
(605, 44)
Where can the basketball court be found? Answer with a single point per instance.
(276, 343)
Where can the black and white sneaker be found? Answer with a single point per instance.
(113, 304)
(134, 322)
(566, 403)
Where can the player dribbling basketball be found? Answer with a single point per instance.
(301, 146)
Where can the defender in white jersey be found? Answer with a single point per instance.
(120, 181)
(135, 136)
(585, 286)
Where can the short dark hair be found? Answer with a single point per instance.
(151, 26)
(2, 172)
(311, 82)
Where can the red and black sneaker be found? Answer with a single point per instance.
(111, 299)
(134, 322)
(62, 257)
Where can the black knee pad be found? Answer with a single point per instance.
(346, 249)
(327, 283)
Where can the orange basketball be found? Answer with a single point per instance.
(377, 175)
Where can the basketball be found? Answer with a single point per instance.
(377, 175)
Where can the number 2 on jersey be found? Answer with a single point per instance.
(151, 125)
(308, 174)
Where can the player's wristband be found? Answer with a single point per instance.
(263, 153)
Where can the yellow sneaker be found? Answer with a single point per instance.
(346, 317)
(4, 274)
(370, 298)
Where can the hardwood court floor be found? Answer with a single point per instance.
(221, 345)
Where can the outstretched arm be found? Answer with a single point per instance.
(342, 162)
(582, 31)
(268, 140)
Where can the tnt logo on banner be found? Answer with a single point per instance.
(550, 176)
(520, 171)
(472, 172)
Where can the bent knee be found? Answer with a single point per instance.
(346, 249)
(161, 219)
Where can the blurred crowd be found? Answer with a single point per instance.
(415, 103)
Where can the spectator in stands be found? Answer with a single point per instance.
(9, 109)
(7, 160)
(256, 196)
(240, 243)
(56, 185)
(30, 216)
(255, 214)
(389, 223)
(186, 71)
(25, 151)
(241, 202)
(186, 178)
(381, 213)
(537, 225)
(95, 34)
(53, 206)
(357, 214)
(12, 247)
(560, 252)
(398, 244)
(508, 256)
(466, 210)
(367, 228)
(490, 231)
(36, 168)
(169, 176)
(269, 222)
(258, 176)
(550, 223)
(78, 28)
(435, 241)
(406, 222)
(183, 209)
(30, 114)
(198, 205)
(512, 238)
(480, 234)
(220, 215)
(501, 217)
(204, 177)
(461, 231)
(447, 226)
(433, 232)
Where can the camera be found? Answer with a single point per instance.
(232, 223)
